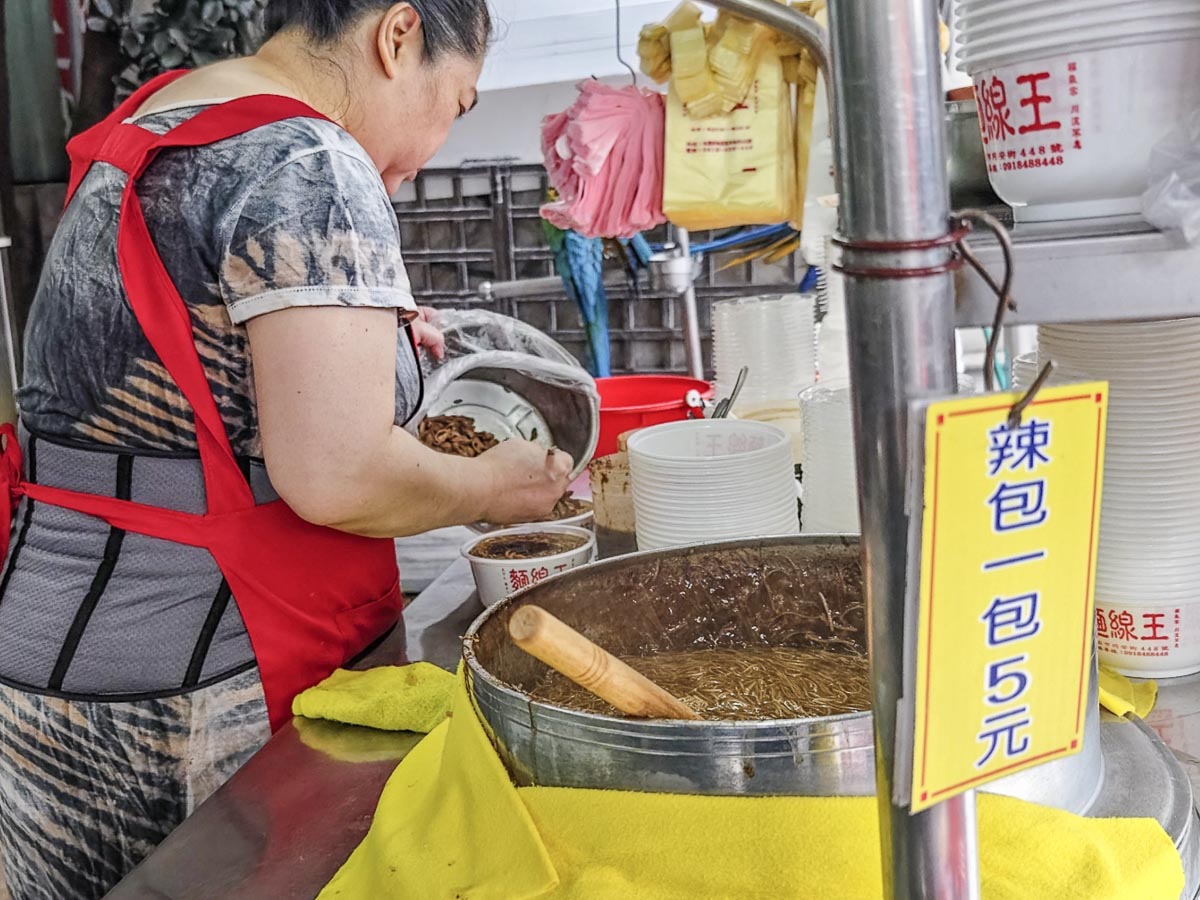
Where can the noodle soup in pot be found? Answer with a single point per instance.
(765, 638)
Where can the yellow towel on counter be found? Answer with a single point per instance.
(1120, 696)
(451, 824)
(416, 697)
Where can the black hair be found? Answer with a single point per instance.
(448, 26)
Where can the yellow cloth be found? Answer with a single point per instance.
(451, 824)
(1120, 696)
(392, 698)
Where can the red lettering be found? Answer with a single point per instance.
(1121, 625)
(1153, 622)
(1035, 101)
(994, 114)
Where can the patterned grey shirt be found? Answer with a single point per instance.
(291, 214)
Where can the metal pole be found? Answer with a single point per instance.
(889, 148)
(694, 353)
(893, 188)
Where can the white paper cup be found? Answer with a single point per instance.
(499, 579)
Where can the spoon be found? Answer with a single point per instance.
(593, 668)
(725, 406)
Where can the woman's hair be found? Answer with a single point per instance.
(448, 26)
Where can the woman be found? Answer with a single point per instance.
(212, 471)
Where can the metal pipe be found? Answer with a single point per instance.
(886, 106)
(892, 181)
(533, 287)
(693, 351)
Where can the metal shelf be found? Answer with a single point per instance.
(1066, 273)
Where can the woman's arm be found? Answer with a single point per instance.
(325, 386)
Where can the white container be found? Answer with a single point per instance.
(1148, 561)
(1070, 115)
(711, 480)
(499, 579)
(1059, 17)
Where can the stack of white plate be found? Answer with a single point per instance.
(1148, 567)
(1067, 129)
(830, 484)
(776, 338)
(712, 480)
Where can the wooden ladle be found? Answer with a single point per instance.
(593, 668)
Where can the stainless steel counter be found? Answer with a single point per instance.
(287, 821)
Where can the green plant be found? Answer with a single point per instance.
(174, 34)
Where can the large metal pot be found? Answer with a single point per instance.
(791, 591)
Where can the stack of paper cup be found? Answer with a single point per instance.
(713, 480)
(1148, 566)
(830, 485)
(776, 338)
(829, 490)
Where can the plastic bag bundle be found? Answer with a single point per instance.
(711, 65)
(604, 156)
(485, 346)
(737, 151)
(1172, 202)
(734, 169)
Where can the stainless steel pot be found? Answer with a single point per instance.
(789, 591)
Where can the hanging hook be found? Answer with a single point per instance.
(1014, 414)
(620, 58)
(1003, 290)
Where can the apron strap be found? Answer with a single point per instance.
(84, 149)
(10, 481)
(153, 296)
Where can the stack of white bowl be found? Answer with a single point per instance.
(830, 483)
(711, 480)
(1114, 77)
(1148, 566)
(775, 337)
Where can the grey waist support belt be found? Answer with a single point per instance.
(91, 611)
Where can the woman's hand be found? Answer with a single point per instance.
(527, 482)
(427, 333)
(325, 382)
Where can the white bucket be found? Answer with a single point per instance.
(1073, 97)
(499, 579)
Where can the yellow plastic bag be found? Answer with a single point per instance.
(737, 168)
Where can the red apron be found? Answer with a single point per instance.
(311, 598)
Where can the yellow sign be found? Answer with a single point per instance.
(1008, 565)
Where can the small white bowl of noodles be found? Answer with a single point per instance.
(570, 510)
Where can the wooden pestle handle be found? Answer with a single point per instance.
(591, 667)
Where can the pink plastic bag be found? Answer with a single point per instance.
(604, 156)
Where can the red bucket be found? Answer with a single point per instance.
(635, 401)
